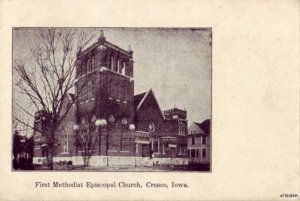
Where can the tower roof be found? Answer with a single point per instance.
(105, 44)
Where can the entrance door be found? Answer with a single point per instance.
(145, 150)
(44, 151)
(173, 152)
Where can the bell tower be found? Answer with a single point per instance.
(105, 88)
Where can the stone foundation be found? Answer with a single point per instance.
(170, 161)
(117, 161)
(112, 161)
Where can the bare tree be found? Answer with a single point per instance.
(87, 135)
(49, 76)
(86, 141)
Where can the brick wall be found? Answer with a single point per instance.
(149, 112)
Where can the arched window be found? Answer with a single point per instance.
(151, 127)
(84, 66)
(114, 64)
(90, 90)
(89, 64)
(118, 65)
(123, 68)
(93, 62)
(193, 153)
(111, 63)
(65, 143)
(203, 153)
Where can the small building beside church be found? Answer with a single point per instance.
(199, 143)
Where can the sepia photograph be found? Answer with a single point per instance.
(149, 100)
(112, 99)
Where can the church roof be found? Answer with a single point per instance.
(140, 98)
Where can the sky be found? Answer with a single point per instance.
(174, 62)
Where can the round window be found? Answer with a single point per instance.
(111, 118)
(151, 127)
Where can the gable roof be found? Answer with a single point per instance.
(140, 98)
(200, 130)
(198, 124)
(137, 99)
(72, 97)
(204, 126)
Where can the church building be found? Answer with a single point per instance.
(131, 130)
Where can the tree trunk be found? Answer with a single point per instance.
(86, 160)
(50, 160)
(51, 142)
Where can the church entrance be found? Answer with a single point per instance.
(44, 151)
(145, 151)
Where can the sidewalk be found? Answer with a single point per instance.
(160, 168)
